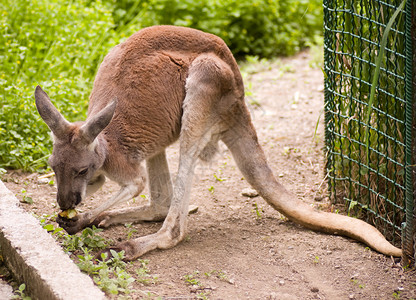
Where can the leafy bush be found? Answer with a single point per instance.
(58, 44)
(261, 27)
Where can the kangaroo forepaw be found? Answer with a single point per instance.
(75, 224)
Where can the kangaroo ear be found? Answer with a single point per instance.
(98, 122)
(52, 117)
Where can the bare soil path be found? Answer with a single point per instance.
(240, 248)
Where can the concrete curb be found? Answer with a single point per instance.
(34, 258)
(6, 291)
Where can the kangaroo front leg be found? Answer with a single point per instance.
(160, 186)
(174, 226)
(93, 217)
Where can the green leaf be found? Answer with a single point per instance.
(379, 60)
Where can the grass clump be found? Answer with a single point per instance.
(59, 45)
(110, 273)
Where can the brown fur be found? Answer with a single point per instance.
(163, 84)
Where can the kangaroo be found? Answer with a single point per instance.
(164, 84)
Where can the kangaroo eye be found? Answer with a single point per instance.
(83, 172)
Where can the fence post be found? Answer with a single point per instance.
(411, 20)
(409, 232)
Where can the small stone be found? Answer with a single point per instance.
(235, 207)
(351, 296)
(318, 198)
(248, 192)
(281, 282)
(192, 209)
(194, 288)
(43, 181)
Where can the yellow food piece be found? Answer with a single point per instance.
(69, 213)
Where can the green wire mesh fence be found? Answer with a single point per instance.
(369, 134)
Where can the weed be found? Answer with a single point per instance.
(49, 227)
(192, 280)
(396, 295)
(114, 280)
(316, 260)
(20, 294)
(211, 189)
(149, 296)
(25, 197)
(286, 150)
(218, 178)
(257, 210)
(86, 262)
(109, 275)
(249, 95)
(143, 273)
(131, 230)
(202, 295)
(88, 238)
(218, 274)
(355, 281)
(91, 239)
(351, 206)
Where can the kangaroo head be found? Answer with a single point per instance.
(77, 153)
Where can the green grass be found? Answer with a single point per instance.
(59, 44)
(110, 273)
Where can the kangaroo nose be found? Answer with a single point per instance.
(78, 199)
(69, 202)
(64, 205)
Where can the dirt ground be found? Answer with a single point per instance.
(238, 247)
